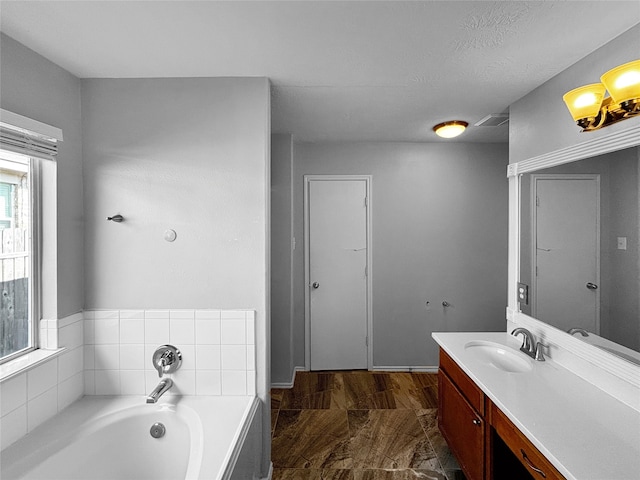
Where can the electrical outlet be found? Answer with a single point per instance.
(523, 293)
(622, 243)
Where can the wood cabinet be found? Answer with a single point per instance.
(485, 442)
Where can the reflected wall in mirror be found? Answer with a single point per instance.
(579, 249)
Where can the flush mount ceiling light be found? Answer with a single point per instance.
(450, 129)
(592, 111)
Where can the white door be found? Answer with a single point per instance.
(337, 276)
(566, 256)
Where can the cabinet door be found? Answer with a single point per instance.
(462, 428)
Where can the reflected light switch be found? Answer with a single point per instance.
(622, 243)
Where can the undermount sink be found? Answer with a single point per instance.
(499, 356)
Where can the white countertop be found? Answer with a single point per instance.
(585, 432)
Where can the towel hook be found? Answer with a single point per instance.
(116, 218)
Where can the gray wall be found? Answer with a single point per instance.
(439, 233)
(281, 258)
(190, 155)
(37, 88)
(540, 122)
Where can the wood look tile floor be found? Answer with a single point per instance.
(359, 426)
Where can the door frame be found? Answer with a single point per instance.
(307, 300)
(534, 232)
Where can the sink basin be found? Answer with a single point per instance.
(499, 356)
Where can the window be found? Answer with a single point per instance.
(18, 298)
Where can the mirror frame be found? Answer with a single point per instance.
(558, 340)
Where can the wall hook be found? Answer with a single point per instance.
(116, 218)
(446, 304)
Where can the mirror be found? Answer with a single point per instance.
(579, 249)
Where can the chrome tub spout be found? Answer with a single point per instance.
(164, 385)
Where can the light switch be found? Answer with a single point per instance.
(622, 243)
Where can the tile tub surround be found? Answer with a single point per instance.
(359, 425)
(218, 351)
(35, 394)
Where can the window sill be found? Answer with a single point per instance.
(27, 362)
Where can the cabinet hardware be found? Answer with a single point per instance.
(531, 465)
(475, 421)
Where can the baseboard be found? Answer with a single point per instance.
(288, 384)
(270, 474)
(424, 369)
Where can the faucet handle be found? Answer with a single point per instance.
(166, 359)
(539, 351)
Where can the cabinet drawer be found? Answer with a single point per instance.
(469, 389)
(536, 463)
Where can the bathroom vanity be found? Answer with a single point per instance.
(505, 415)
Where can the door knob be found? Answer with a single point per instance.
(592, 286)
(315, 285)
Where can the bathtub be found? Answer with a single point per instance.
(108, 438)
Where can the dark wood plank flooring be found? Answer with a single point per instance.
(359, 426)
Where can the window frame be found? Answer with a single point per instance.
(34, 249)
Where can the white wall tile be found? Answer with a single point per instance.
(151, 380)
(156, 314)
(71, 336)
(186, 314)
(131, 314)
(52, 338)
(132, 357)
(251, 382)
(182, 331)
(89, 357)
(233, 331)
(70, 390)
(132, 330)
(42, 408)
(107, 382)
(70, 363)
(13, 393)
(107, 357)
(251, 357)
(233, 314)
(104, 314)
(188, 356)
(89, 382)
(71, 319)
(208, 382)
(207, 314)
(251, 330)
(156, 331)
(234, 382)
(132, 382)
(42, 378)
(184, 382)
(234, 357)
(107, 331)
(89, 331)
(13, 426)
(207, 331)
(208, 357)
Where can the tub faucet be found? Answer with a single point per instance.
(166, 359)
(529, 345)
(164, 385)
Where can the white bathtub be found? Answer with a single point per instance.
(108, 438)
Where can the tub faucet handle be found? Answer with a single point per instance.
(166, 359)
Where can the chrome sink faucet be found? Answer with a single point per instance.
(581, 331)
(164, 385)
(529, 345)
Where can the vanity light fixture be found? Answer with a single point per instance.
(591, 110)
(450, 129)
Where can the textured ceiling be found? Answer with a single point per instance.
(340, 71)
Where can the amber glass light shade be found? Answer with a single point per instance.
(623, 82)
(450, 129)
(585, 102)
